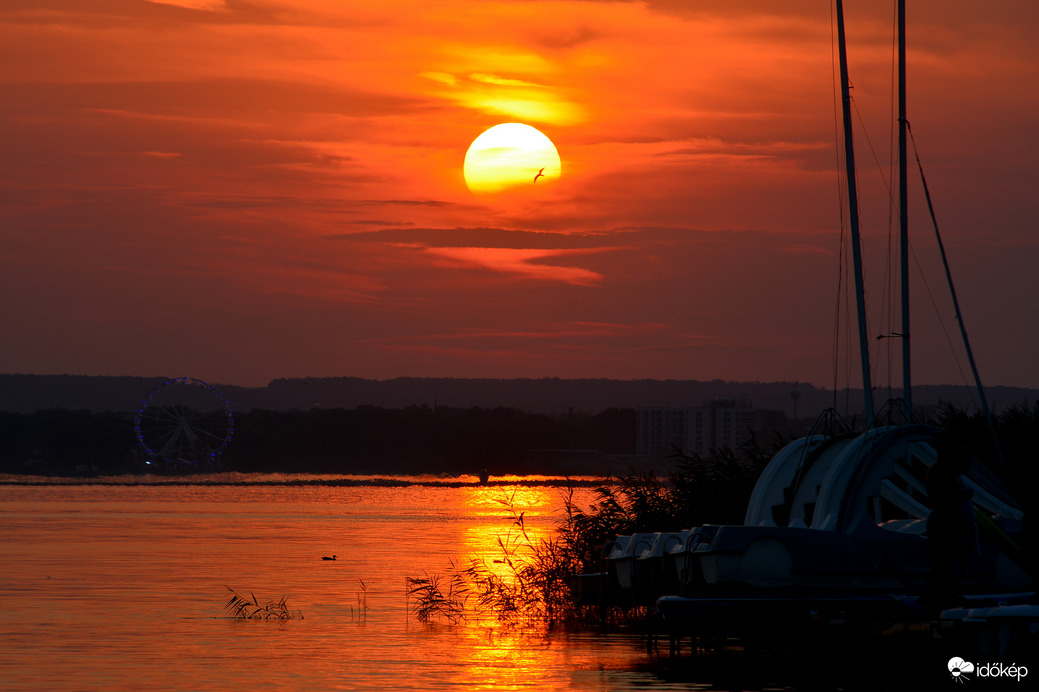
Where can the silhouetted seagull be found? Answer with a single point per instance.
(329, 558)
(540, 174)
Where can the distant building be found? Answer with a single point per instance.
(695, 430)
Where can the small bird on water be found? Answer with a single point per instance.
(329, 558)
(540, 174)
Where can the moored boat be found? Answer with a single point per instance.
(840, 528)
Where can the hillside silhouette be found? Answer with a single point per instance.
(28, 393)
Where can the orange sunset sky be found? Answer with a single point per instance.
(239, 190)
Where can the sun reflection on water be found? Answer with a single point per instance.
(485, 500)
(502, 661)
(527, 516)
(511, 522)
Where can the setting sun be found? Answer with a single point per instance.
(308, 162)
(510, 155)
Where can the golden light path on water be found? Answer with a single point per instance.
(531, 514)
(520, 517)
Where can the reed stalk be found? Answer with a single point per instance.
(361, 614)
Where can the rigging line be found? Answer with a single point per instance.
(888, 298)
(888, 303)
(837, 317)
(849, 349)
(956, 302)
(880, 168)
(941, 320)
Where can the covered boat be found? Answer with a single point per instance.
(836, 529)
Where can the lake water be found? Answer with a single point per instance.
(123, 588)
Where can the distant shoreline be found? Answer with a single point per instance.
(381, 482)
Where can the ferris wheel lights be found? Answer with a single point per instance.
(183, 422)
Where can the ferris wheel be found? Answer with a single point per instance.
(183, 425)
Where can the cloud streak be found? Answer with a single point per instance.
(532, 264)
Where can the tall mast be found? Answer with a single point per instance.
(853, 210)
(903, 205)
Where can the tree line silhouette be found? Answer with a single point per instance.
(363, 440)
(436, 440)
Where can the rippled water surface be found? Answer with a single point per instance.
(123, 588)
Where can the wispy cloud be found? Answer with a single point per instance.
(211, 5)
(531, 264)
(501, 81)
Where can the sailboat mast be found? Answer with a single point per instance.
(853, 210)
(903, 205)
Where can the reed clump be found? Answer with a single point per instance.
(242, 608)
(523, 584)
(435, 599)
(527, 582)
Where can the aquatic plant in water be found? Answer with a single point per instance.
(361, 614)
(241, 608)
(527, 583)
(524, 584)
(432, 602)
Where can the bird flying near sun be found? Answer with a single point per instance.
(510, 156)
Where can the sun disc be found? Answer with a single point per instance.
(511, 156)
